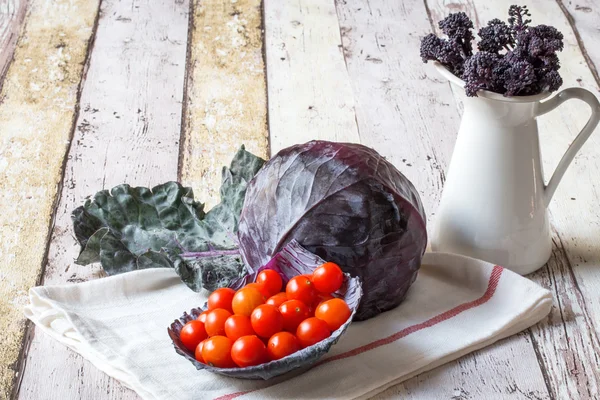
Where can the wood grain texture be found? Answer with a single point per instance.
(226, 97)
(584, 17)
(12, 14)
(476, 377)
(408, 113)
(567, 341)
(39, 102)
(310, 95)
(127, 132)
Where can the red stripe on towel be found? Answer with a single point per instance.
(491, 289)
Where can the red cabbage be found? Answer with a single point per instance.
(345, 203)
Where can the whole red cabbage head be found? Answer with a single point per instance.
(345, 203)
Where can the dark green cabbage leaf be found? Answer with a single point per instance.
(345, 203)
(130, 228)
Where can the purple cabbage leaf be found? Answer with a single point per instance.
(345, 203)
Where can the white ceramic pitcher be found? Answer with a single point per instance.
(494, 203)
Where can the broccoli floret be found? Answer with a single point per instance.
(516, 19)
(495, 37)
(480, 72)
(458, 28)
(447, 53)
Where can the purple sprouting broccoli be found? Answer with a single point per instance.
(495, 37)
(480, 70)
(458, 27)
(444, 51)
(454, 51)
(516, 18)
(519, 78)
(514, 58)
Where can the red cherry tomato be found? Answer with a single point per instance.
(202, 317)
(237, 326)
(192, 333)
(301, 288)
(216, 351)
(248, 351)
(328, 278)
(282, 344)
(293, 312)
(263, 290)
(270, 280)
(266, 320)
(311, 331)
(277, 299)
(215, 322)
(246, 300)
(198, 352)
(334, 312)
(221, 298)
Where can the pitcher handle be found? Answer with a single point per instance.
(549, 105)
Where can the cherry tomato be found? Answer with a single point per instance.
(334, 312)
(248, 351)
(328, 278)
(216, 351)
(192, 333)
(237, 326)
(277, 299)
(215, 322)
(266, 320)
(270, 280)
(301, 288)
(293, 312)
(221, 298)
(246, 300)
(198, 352)
(263, 290)
(311, 331)
(202, 317)
(282, 344)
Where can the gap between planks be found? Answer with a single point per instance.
(29, 326)
(130, 104)
(29, 123)
(226, 93)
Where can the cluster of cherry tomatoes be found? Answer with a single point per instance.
(259, 322)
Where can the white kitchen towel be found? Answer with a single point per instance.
(457, 305)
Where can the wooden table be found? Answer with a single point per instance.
(96, 93)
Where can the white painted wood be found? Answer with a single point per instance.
(12, 14)
(408, 113)
(496, 372)
(127, 131)
(567, 342)
(310, 96)
(585, 19)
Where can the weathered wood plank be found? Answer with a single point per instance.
(226, 97)
(39, 102)
(567, 341)
(409, 115)
(128, 130)
(584, 17)
(502, 359)
(12, 14)
(310, 95)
